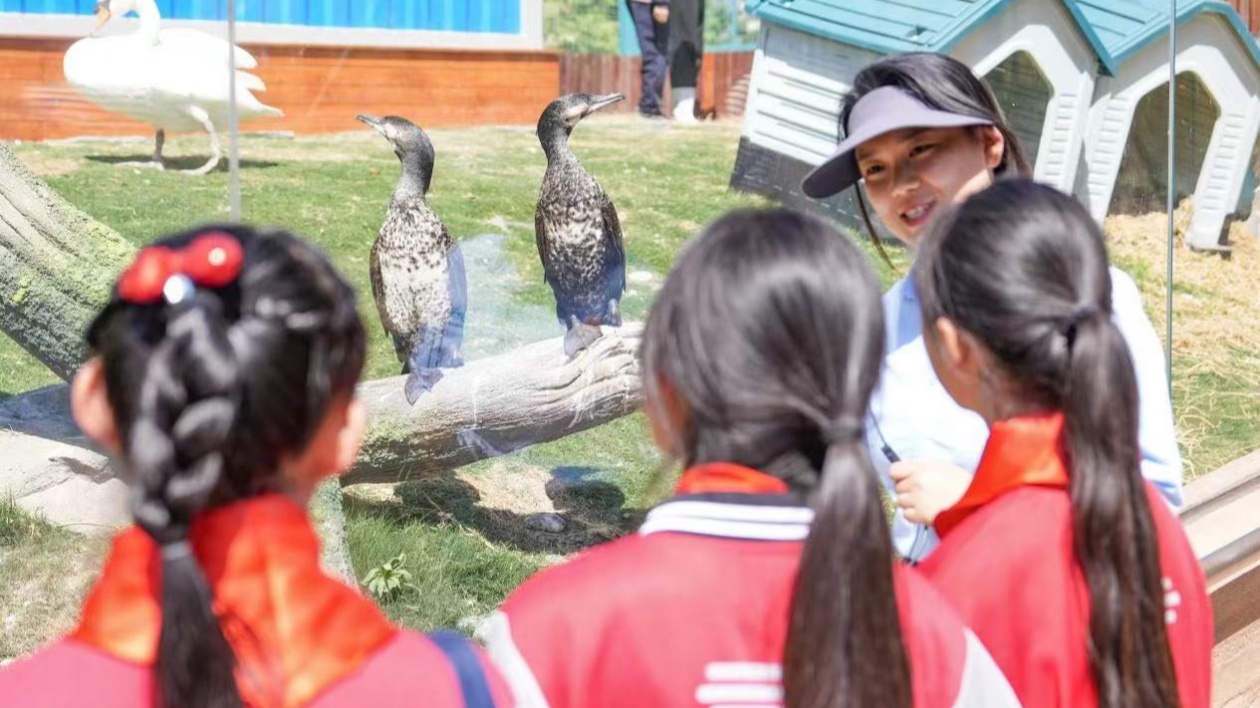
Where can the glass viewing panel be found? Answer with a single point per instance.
(400, 138)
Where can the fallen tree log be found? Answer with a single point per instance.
(56, 267)
(496, 405)
(488, 407)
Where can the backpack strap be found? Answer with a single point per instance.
(472, 677)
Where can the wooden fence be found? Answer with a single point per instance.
(1249, 10)
(722, 90)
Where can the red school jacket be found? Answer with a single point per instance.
(693, 611)
(1007, 563)
(301, 639)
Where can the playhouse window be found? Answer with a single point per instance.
(1141, 184)
(1024, 94)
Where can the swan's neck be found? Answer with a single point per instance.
(150, 20)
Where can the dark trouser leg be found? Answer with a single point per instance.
(653, 42)
(686, 20)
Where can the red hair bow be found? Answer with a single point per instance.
(211, 260)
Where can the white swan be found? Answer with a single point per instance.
(172, 79)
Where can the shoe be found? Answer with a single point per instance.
(685, 106)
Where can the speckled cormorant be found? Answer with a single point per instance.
(418, 276)
(575, 224)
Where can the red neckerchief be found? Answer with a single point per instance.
(1021, 452)
(720, 477)
(294, 630)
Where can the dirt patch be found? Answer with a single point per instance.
(515, 489)
(499, 502)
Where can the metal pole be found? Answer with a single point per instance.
(1172, 184)
(234, 156)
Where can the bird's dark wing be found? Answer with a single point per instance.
(616, 263)
(378, 287)
(540, 238)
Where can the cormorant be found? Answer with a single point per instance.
(418, 276)
(576, 227)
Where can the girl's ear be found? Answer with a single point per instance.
(89, 403)
(994, 145)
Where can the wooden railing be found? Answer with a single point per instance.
(1222, 518)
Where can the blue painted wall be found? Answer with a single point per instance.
(496, 16)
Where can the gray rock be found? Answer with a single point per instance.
(547, 523)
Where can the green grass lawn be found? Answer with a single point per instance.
(464, 535)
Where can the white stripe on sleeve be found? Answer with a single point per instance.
(983, 684)
(507, 657)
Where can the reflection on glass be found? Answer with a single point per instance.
(512, 451)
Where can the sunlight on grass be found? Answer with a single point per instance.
(45, 572)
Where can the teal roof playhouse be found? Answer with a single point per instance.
(1085, 83)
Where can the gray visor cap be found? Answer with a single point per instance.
(879, 112)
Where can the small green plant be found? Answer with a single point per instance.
(387, 581)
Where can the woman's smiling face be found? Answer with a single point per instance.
(911, 174)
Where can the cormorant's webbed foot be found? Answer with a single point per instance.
(419, 382)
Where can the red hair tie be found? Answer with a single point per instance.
(211, 260)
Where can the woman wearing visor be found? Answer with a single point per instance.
(922, 132)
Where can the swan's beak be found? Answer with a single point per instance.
(102, 16)
(373, 122)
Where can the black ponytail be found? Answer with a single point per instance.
(943, 83)
(1024, 268)
(844, 643)
(770, 331)
(202, 393)
(1111, 509)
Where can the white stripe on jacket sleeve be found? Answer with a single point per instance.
(507, 657)
(983, 684)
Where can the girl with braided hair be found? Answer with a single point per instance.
(222, 379)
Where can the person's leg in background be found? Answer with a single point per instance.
(651, 27)
(686, 34)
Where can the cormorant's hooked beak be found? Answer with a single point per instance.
(600, 102)
(374, 123)
(102, 16)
